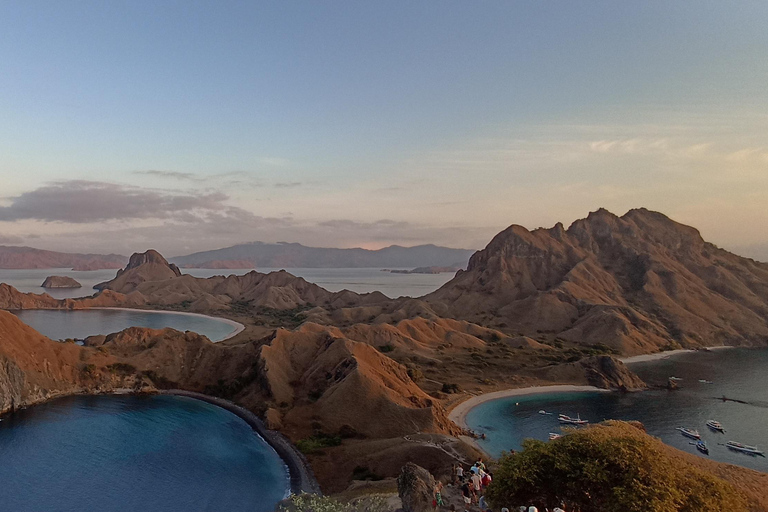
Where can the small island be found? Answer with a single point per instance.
(60, 282)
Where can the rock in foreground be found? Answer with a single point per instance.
(415, 486)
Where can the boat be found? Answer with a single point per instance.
(744, 448)
(702, 447)
(554, 435)
(689, 432)
(675, 378)
(571, 421)
(544, 412)
(715, 425)
(704, 381)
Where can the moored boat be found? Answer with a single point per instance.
(715, 425)
(554, 435)
(571, 421)
(744, 448)
(689, 432)
(702, 447)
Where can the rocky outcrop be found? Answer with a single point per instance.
(637, 283)
(605, 372)
(142, 267)
(60, 282)
(415, 486)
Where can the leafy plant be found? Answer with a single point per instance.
(613, 467)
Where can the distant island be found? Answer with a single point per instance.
(12, 257)
(60, 282)
(253, 255)
(293, 255)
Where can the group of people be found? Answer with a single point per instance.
(473, 483)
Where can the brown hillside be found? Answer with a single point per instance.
(637, 283)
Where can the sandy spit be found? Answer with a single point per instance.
(237, 327)
(459, 413)
(665, 355)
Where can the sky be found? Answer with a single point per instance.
(187, 126)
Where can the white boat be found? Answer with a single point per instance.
(715, 425)
(554, 435)
(675, 378)
(571, 421)
(704, 381)
(744, 448)
(689, 432)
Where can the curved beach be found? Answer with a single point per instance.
(237, 327)
(459, 413)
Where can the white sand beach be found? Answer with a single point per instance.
(237, 327)
(665, 355)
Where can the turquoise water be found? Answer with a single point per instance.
(127, 453)
(62, 324)
(735, 373)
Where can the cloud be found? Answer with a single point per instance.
(177, 175)
(89, 201)
(292, 184)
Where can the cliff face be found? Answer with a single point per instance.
(636, 283)
(32, 367)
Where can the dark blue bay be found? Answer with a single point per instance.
(127, 453)
(737, 373)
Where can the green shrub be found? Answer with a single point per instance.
(317, 442)
(613, 467)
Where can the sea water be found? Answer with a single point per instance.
(735, 373)
(359, 280)
(129, 453)
(81, 323)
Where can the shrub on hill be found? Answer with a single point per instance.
(612, 467)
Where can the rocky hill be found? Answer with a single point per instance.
(154, 281)
(293, 255)
(637, 283)
(27, 257)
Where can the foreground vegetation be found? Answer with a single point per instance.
(613, 467)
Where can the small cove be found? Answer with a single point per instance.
(737, 373)
(79, 324)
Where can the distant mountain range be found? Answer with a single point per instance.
(293, 255)
(28, 257)
(252, 255)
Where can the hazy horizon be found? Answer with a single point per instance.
(189, 126)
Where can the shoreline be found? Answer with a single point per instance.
(459, 413)
(300, 476)
(237, 326)
(658, 356)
